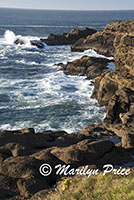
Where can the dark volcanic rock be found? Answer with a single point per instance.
(19, 41)
(68, 38)
(89, 66)
(102, 41)
(38, 44)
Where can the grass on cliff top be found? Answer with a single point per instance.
(108, 187)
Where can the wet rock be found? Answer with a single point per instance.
(38, 44)
(89, 66)
(19, 41)
(68, 38)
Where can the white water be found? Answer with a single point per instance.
(35, 94)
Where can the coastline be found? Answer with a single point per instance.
(22, 152)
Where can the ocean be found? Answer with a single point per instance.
(35, 93)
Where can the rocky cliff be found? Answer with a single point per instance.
(102, 41)
(116, 89)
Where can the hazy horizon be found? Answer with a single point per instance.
(64, 9)
(85, 5)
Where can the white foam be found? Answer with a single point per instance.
(89, 52)
(26, 63)
(9, 37)
(49, 91)
(39, 26)
(77, 55)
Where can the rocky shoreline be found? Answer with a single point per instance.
(22, 152)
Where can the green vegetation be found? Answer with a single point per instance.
(108, 187)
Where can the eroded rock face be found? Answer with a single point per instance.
(102, 41)
(90, 67)
(116, 89)
(68, 38)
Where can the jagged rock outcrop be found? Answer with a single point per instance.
(90, 67)
(68, 38)
(102, 41)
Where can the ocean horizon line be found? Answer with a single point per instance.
(45, 9)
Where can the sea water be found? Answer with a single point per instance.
(33, 91)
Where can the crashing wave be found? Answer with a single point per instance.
(10, 38)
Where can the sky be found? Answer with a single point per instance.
(70, 4)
